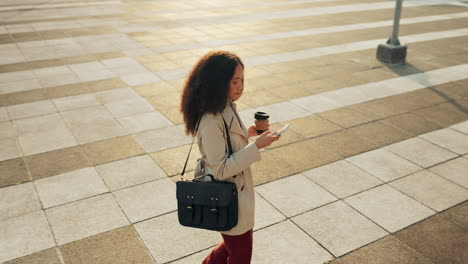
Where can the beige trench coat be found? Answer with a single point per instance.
(213, 147)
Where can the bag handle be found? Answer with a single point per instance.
(228, 138)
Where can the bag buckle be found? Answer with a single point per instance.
(213, 209)
(189, 201)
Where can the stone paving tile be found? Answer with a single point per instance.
(458, 214)
(84, 218)
(172, 160)
(431, 190)
(48, 256)
(312, 154)
(161, 139)
(24, 235)
(31, 109)
(339, 228)
(92, 124)
(461, 127)
(443, 114)
(123, 108)
(286, 243)
(24, 97)
(43, 133)
(384, 164)
(6, 130)
(448, 138)
(342, 178)
(75, 102)
(312, 126)
(4, 114)
(388, 250)
(163, 236)
(56, 162)
(69, 187)
(453, 170)
(344, 143)
(168, 104)
(389, 208)
(144, 121)
(129, 172)
(9, 148)
(271, 167)
(445, 247)
(379, 133)
(411, 123)
(18, 200)
(121, 245)
(377, 109)
(147, 200)
(111, 149)
(295, 194)
(345, 117)
(421, 152)
(286, 138)
(265, 213)
(14, 171)
(283, 111)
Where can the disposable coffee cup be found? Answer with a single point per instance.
(262, 122)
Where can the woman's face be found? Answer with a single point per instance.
(236, 85)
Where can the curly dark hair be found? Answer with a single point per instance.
(207, 87)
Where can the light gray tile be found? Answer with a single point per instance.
(57, 80)
(315, 103)
(163, 138)
(3, 114)
(129, 172)
(342, 178)
(389, 208)
(43, 133)
(162, 236)
(339, 228)
(384, 164)
(265, 213)
(31, 109)
(6, 130)
(93, 124)
(18, 200)
(147, 200)
(19, 86)
(52, 71)
(84, 218)
(87, 76)
(69, 187)
(432, 190)
(113, 95)
(462, 127)
(24, 235)
(286, 243)
(9, 149)
(347, 96)
(454, 170)
(144, 121)
(16, 76)
(448, 138)
(295, 194)
(129, 107)
(75, 102)
(120, 62)
(195, 258)
(140, 78)
(283, 111)
(421, 152)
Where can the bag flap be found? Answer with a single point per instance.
(201, 193)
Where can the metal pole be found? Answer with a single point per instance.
(396, 23)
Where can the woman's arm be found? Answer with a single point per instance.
(214, 145)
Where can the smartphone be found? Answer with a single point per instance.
(282, 130)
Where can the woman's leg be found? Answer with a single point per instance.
(218, 255)
(239, 248)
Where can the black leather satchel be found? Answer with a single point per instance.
(212, 204)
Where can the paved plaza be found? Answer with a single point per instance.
(374, 167)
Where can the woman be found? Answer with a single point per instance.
(215, 82)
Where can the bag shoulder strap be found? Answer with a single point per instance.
(228, 139)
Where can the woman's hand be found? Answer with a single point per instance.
(252, 131)
(266, 139)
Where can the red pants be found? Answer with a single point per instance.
(233, 250)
